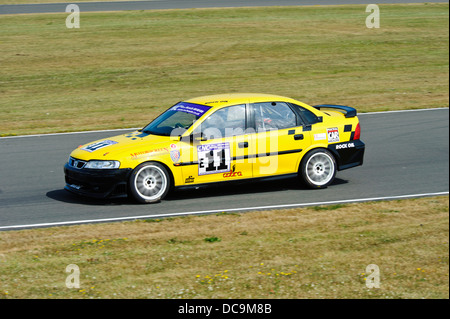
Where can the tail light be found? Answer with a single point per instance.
(357, 135)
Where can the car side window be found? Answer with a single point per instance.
(307, 116)
(273, 115)
(226, 122)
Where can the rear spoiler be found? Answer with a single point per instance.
(347, 110)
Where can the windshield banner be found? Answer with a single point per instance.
(195, 109)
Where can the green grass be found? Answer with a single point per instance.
(122, 69)
(295, 253)
(329, 207)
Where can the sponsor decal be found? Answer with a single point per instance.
(345, 145)
(173, 146)
(190, 179)
(320, 137)
(213, 158)
(212, 102)
(190, 108)
(141, 154)
(175, 155)
(333, 135)
(233, 173)
(96, 146)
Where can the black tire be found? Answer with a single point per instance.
(318, 168)
(149, 182)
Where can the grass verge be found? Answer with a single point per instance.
(121, 69)
(295, 253)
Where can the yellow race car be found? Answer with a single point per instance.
(220, 138)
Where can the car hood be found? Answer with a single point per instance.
(126, 145)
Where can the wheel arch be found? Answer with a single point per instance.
(320, 147)
(171, 176)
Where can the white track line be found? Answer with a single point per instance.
(136, 128)
(70, 133)
(357, 200)
(404, 111)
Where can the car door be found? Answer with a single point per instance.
(279, 138)
(219, 150)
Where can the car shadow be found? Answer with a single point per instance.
(67, 197)
(214, 190)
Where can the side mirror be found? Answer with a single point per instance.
(199, 137)
(320, 119)
(193, 138)
(177, 134)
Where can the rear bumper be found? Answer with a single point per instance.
(97, 183)
(348, 154)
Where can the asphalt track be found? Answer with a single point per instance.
(178, 4)
(407, 153)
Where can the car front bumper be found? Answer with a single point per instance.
(97, 183)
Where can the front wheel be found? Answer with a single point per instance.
(318, 168)
(149, 182)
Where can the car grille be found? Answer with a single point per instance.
(76, 163)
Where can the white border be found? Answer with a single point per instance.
(256, 208)
(136, 128)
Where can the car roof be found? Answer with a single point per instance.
(219, 100)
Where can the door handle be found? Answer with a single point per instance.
(298, 137)
(243, 144)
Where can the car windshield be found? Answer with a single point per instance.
(179, 117)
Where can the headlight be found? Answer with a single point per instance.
(102, 164)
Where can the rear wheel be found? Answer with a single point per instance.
(149, 182)
(318, 168)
